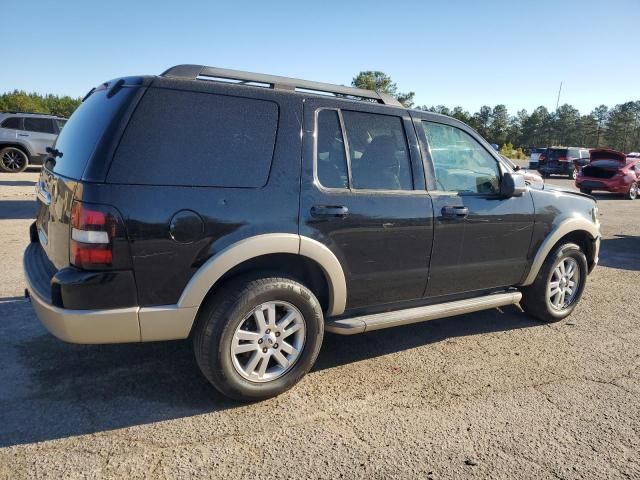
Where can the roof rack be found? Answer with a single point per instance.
(26, 113)
(201, 72)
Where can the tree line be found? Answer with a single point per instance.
(20, 101)
(616, 127)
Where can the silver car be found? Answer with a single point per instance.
(24, 138)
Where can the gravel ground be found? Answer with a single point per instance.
(476, 396)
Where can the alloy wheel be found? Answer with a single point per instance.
(13, 160)
(268, 341)
(564, 284)
(633, 191)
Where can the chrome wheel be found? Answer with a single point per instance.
(13, 160)
(268, 341)
(633, 191)
(574, 173)
(564, 284)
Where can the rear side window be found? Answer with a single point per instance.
(331, 157)
(13, 123)
(197, 139)
(40, 125)
(378, 151)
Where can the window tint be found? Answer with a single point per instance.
(460, 163)
(80, 136)
(41, 125)
(378, 151)
(60, 123)
(12, 122)
(197, 139)
(331, 158)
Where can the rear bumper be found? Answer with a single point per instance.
(99, 325)
(118, 325)
(603, 184)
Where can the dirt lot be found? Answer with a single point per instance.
(476, 396)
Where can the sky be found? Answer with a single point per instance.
(454, 52)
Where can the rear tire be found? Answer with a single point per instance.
(243, 339)
(573, 174)
(632, 194)
(558, 286)
(13, 160)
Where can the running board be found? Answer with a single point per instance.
(378, 321)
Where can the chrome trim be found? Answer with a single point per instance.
(562, 229)
(42, 194)
(378, 321)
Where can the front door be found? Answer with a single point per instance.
(481, 240)
(364, 197)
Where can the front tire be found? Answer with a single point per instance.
(13, 160)
(256, 338)
(558, 286)
(632, 194)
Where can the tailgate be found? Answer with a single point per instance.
(55, 195)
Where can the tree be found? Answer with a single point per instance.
(482, 120)
(499, 125)
(600, 114)
(381, 82)
(21, 101)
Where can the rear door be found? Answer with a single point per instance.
(41, 133)
(364, 197)
(481, 240)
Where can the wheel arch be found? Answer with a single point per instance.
(19, 146)
(579, 230)
(272, 252)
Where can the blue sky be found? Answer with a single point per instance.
(455, 52)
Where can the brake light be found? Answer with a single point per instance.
(542, 158)
(562, 159)
(95, 230)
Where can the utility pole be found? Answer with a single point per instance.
(558, 101)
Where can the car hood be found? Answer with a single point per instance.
(607, 154)
(569, 191)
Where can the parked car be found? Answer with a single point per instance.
(563, 161)
(536, 155)
(610, 171)
(254, 216)
(24, 138)
(532, 178)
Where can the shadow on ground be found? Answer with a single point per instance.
(50, 389)
(621, 251)
(16, 183)
(17, 209)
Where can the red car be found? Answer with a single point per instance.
(610, 171)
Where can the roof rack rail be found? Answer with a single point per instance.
(26, 113)
(201, 72)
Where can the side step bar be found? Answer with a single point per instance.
(378, 321)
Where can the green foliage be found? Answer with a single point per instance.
(21, 101)
(381, 82)
(506, 150)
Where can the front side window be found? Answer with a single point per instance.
(378, 151)
(41, 125)
(460, 163)
(331, 157)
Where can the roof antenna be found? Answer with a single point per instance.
(558, 101)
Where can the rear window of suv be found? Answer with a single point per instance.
(185, 138)
(82, 132)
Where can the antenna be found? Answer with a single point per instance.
(559, 90)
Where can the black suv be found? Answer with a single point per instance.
(563, 161)
(253, 212)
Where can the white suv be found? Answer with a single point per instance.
(24, 138)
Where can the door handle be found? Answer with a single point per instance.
(455, 212)
(329, 211)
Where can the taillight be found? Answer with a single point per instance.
(542, 158)
(562, 159)
(98, 238)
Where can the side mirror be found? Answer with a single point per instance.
(512, 185)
